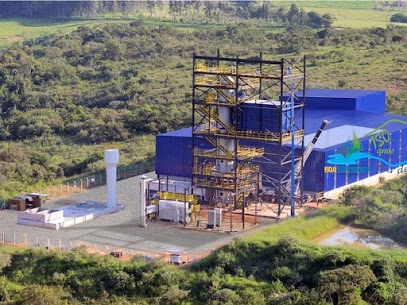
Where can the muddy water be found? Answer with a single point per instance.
(355, 237)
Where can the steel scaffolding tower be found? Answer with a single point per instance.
(232, 160)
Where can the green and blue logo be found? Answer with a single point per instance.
(353, 150)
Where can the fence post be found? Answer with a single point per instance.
(81, 184)
(38, 242)
(87, 182)
(25, 239)
(48, 243)
(68, 187)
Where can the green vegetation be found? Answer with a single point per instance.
(384, 209)
(268, 267)
(277, 265)
(399, 18)
(31, 164)
(303, 228)
(116, 82)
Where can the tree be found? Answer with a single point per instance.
(398, 18)
(176, 7)
(44, 295)
(225, 296)
(174, 295)
(343, 286)
(151, 4)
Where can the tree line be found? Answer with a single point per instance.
(108, 82)
(177, 8)
(64, 9)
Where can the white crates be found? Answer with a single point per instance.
(174, 211)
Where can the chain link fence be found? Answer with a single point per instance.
(24, 240)
(96, 179)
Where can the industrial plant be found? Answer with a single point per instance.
(258, 134)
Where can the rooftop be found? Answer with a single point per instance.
(338, 93)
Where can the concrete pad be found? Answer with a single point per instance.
(66, 216)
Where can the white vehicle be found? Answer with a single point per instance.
(176, 259)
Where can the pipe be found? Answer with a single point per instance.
(111, 160)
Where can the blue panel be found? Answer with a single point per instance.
(403, 145)
(341, 179)
(352, 174)
(331, 103)
(363, 169)
(263, 116)
(373, 102)
(329, 177)
(395, 145)
(173, 156)
(313, 179)
(364, 100)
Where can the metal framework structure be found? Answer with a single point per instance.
(231, 162)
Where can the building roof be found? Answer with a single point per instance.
(184, 132)
(345, 122)
(338, 93)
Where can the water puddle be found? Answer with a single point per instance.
(355, 237)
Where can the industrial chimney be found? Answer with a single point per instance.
(111, 160)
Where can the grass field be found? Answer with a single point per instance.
(302, 228)
(19, 29)
(349, 14)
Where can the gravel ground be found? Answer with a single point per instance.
(116, 231)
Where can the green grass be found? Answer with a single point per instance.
(302, 228)
(20, 29)
(333, 4)
(350, 14)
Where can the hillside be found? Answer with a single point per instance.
(116, 81)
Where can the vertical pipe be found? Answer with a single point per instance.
(235, 165)
(243, 204)
(111, 160)
(292, 169)
(193, 119)
(280, 117)
(185, 207)
(143, 201)
(261, 71)
(303, 127)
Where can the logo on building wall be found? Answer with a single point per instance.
(348, 157)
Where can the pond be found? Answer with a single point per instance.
(355, 237)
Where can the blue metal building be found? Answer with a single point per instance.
(361, 142)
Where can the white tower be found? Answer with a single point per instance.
(111, 160)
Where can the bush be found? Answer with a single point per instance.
(398, 18)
